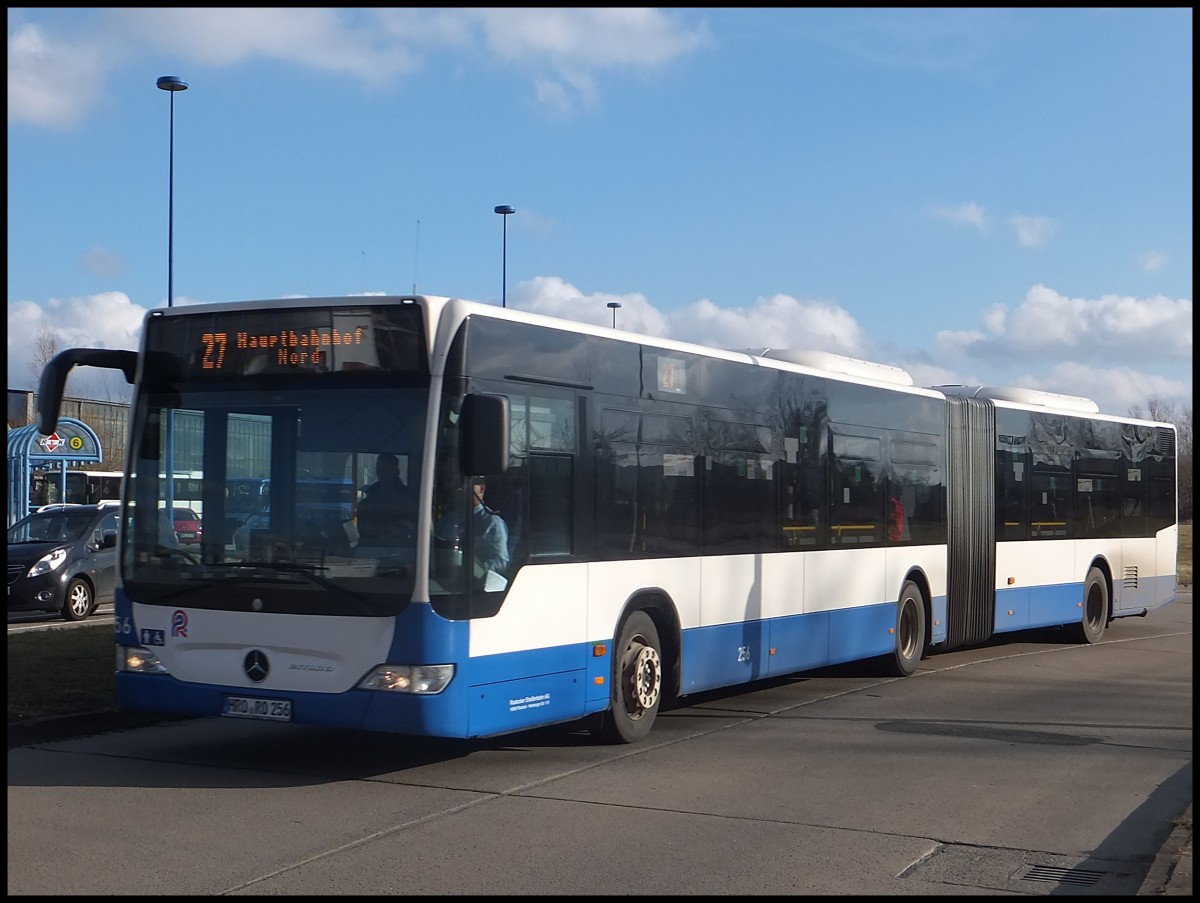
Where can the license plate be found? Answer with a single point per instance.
(254, 707)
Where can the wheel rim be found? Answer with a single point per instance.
(80, 600)
(642, 678)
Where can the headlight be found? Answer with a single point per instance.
(421, 680)
(48, 562)
(139, 660)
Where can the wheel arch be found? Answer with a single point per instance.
(918, 576)
(661, 609)
(1101, 563)
(86, 577)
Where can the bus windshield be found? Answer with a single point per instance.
(280, 457)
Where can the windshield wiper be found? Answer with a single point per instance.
(308, 570)
(273, 571)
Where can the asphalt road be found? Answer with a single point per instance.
(1029, 767)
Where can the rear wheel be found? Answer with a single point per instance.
(910, 632)
(637, 682)
(79, 602)
(1095, 608)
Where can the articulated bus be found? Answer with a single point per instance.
(676, 518)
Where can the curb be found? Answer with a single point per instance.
(1170, 874)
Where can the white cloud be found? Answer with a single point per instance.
(1098, 348)
(970, 214)
(324, 39)
(103, 262)
(107, 320)
(589, 38)
(958, 343)
(1115, 389)
(779, 321)
(552, 296)
(996, 318)
(933, 40)
(1113, 328)
(52, 81)
(1152, 261)
(54, 78)
(1033, 231)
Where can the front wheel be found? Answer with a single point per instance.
(78, 604)
(910, 632)
(637, 682)
(1095, 608)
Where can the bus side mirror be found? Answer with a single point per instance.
(54, 378)
(483, 433)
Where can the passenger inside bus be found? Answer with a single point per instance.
(897, 522)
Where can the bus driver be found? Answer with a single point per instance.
(488, 527)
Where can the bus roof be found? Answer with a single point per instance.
(1026, 396)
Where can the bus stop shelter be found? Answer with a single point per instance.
(74, 442)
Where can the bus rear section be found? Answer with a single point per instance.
(1061, 516)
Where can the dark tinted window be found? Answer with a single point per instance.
(648, 492)
(499, 349)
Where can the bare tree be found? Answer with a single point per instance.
(45, 346)
(113, 388)
(1183, 424)
(1164, 412)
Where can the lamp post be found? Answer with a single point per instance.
(170, 84)
(504, 210)
(614, 306)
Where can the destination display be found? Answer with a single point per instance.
(305, 340)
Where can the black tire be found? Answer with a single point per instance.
(636, 683)
(1091, 626)
(910, 632)
(79, 602)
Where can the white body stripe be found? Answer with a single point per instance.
(561, 604)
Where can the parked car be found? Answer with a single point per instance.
(63, 558)
(188, 528)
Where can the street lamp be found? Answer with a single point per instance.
(504, 210)
(171, 84)
(614, 305)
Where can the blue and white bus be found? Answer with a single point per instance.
(677, 518)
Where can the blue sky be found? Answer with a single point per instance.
(984, 196)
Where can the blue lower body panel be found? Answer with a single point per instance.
(732, 654)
